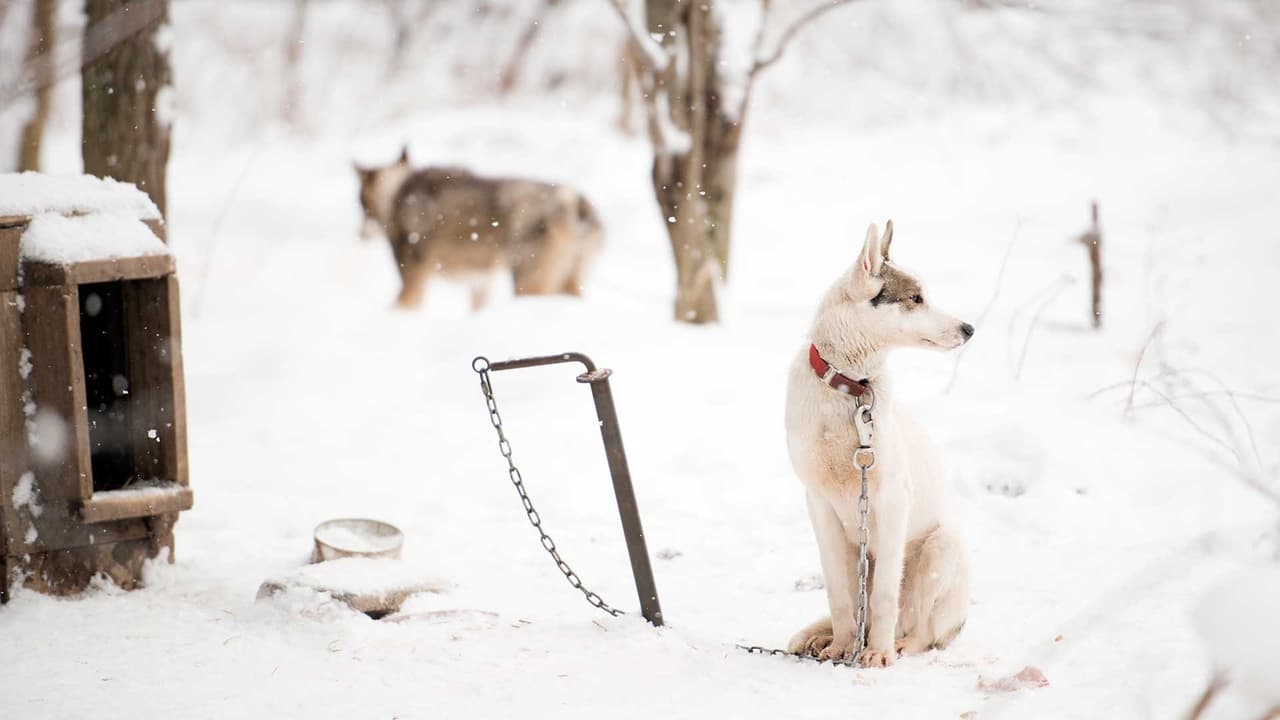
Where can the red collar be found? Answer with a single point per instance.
(828, 375)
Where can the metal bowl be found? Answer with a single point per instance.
(356, 537)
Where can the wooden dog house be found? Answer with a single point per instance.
(93, 449)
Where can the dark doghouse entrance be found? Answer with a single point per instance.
(117, 347)
(106, 384)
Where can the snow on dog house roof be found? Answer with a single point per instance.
(31, 193)
(76, 218)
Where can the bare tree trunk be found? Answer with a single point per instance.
(41, 56)
(720, 177)
(680, 178)
(695, 136)
(124, 135)
(628, 68)
(403, 30)
(291, 112)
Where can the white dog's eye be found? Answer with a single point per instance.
(917, 299)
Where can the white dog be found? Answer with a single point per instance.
(919, 577)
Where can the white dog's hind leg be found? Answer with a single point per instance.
(935, 591)
(833, 547)
(952, 606)
(812, 639)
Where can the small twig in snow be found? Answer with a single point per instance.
(1004, 262)
(197, 304)
(1017, 314)
(1062, 283)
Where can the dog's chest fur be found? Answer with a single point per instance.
(821, 433)
(821, 439)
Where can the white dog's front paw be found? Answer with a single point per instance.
(877, 658)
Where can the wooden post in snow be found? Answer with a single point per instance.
(1092, 240)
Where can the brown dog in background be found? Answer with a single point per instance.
(448, 221)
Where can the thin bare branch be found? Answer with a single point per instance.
(789, 34)
(1237, 468)
(955, 366)
(1239, 412)
(1192, 422)
(1210, 692)
(1133, 386)
(511, 71)
(1233, 396)
(1033, 301)
(1062, 284)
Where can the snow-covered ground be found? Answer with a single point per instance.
(1094, 533)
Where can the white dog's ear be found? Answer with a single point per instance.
(886, 238)
(867, 269)
(404, 155)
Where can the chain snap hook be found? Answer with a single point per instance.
(862, 424)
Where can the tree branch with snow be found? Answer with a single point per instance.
(652, 53)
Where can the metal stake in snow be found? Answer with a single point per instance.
(598, 379)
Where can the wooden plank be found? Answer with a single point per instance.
(10, 237)
(13, 429)
(121, 504)
(177, 377)
(12, 423)
(92, 271)
(60, 526)
(151, 348)
(51, 325)
(70, 570)
(6, 577)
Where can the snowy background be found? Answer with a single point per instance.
(983, 130)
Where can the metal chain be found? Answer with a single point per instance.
(864, 458)
(760, 650)
(481, 366)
